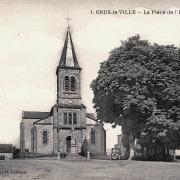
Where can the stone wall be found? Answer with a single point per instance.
(25, 134)
(79, 136)
(41, 147)
(100, 141)
(7, 156)
(81, 120)
(76, 96)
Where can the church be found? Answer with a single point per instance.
(67, 126)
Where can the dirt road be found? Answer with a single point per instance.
(90, 170)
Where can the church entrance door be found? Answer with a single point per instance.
(68, 144)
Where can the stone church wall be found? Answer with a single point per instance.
(25, 134)
(55, 141)
(78, 135)
(100, 141)
(61, 75)
(44, 148)
(80, 117)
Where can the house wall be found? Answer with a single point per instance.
(8, 156)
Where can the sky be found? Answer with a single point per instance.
(32, 34)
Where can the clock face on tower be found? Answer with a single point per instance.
(70, 101)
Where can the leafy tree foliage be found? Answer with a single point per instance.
(138, 87)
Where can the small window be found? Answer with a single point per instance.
(66, 83)
(65, 118)
(93, 140)
(70, 118)
(45, 137)
(74, 118)
(73, 84)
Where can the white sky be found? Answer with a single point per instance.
(32, 34)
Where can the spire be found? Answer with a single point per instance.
(68, 56)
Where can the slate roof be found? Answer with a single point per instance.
(91, 116)
(71, 106)
(62, 62)
(34, 115)
(40, 121)
(6, 148)
(43, 115)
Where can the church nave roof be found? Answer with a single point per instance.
(34, 115)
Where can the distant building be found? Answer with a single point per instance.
(120, 145)
(119, 141)
(67, 125)
(6, 151)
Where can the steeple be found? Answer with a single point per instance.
(68, 75)
(68, 56)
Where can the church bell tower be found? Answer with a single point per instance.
(70, 120)
(68, 75)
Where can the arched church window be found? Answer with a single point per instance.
(70, 118)
(66, 83)
(65, 118)
(73, 84)
(45, 137)
(93, 139)
(74, 118)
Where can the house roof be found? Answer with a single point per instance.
(34, 115)
(6, 148)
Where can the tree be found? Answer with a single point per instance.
(137, 80)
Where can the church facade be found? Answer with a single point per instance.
(67, 126)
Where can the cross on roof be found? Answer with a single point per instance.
(68, 19)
